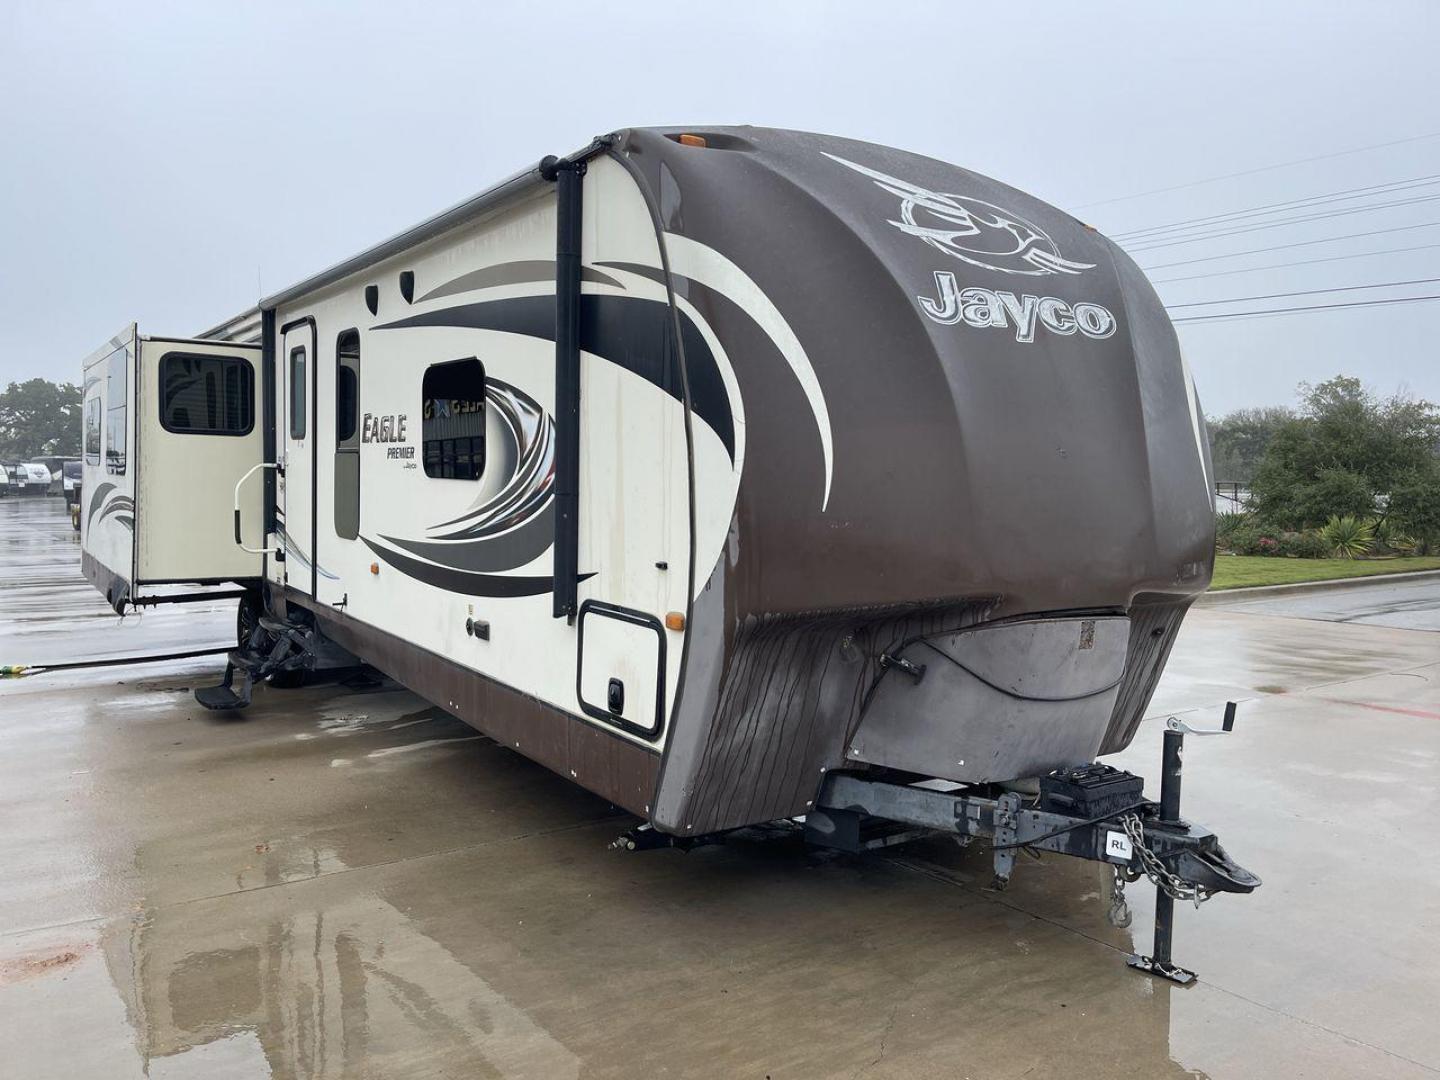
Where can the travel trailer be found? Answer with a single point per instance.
(701, 466)
(30, 478)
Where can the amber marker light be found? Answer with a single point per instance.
(674, 620)
(691, 140)
(375, 568)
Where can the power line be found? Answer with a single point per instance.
(1325, 216)
(1260, 169)
(1306, 292)
(1297, 244)
(1297, 310)
(1256, 211)
(1296, 262)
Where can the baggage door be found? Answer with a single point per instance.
(295, 437)
(197, 432)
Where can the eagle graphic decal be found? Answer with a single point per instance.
(972, 230)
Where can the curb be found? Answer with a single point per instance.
(1225, 597)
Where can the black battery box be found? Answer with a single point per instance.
(1090, 791)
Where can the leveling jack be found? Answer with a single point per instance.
(1168, 886)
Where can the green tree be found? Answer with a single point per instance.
(1351, 452)
(39, 418)
(1238, 440)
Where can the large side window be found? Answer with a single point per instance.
(347, 435)
(116, 411)
(206, 395)
(453, 420)
(297, 392)
(92, 431)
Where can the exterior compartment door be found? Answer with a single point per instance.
(198, 431)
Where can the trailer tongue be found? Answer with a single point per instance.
(1095, 812)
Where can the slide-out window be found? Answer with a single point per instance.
(116, 411)
(92, 431)
(297, 392)
(347, 435)
(453, 420)
(206, 395)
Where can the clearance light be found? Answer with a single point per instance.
(375, 568)
(692, 140)
(675, 620)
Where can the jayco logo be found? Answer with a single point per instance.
(992, 238)
(987, 307)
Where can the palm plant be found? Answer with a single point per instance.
(1348, 537)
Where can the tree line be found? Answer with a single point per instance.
(1345, 452)
(39, 418)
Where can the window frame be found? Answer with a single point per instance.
(218, 357)
(303, 396)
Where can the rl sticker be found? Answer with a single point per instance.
(1118, 846)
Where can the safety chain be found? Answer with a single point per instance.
(1174, 887)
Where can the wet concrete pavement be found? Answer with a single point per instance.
(346, 882)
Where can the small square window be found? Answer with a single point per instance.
(453, 420)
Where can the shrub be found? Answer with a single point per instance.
(1303, 545)
(1392, 537)
(1227, 522)
(1348, 537)
(1252, 539)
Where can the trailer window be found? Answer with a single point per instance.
(206, 395)
(347, 435)
(297, 392)
(115, 410)
(453, 420)
(92, 431)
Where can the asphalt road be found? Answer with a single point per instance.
(1404, 605)
(347, 882)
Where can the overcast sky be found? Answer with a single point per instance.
(169, 163)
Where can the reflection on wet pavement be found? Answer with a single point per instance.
(346, 882)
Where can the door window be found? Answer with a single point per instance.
(453, 420)
(297, 392)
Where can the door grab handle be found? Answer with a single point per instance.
(249, 473)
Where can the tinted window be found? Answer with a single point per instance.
(347, 387)
(115, 411)
(92, 431)
(347, 435)
(206, 395)
(297, 393)
(453, 420)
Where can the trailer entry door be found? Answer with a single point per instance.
(297, 439)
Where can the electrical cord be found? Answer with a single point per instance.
(31, 669)
(1068, 828)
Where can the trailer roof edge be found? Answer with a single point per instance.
(431, 227)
